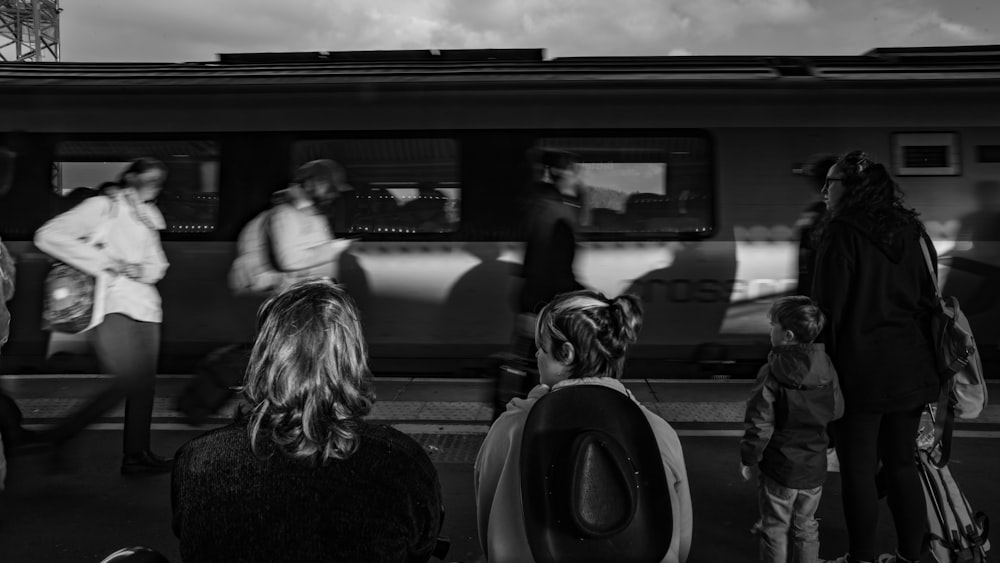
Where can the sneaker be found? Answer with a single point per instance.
(146, 462)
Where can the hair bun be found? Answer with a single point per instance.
(626, 317)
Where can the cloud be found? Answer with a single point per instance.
(898, 23)
(727, 17)
(197, 30)
(958, 31)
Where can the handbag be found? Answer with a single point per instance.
(963, 389)
(70, 297)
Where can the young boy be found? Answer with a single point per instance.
(796, 396)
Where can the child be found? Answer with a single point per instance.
(582, 339)
(790, 449)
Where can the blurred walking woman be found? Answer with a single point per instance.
(871, 279)
(127, 266)
(300, 475)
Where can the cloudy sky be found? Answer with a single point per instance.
(197, 30)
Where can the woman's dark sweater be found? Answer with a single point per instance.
(878, 298)
(381, 504)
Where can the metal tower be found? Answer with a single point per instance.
(29, 30)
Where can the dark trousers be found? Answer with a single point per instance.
(864, 439)
(128, 350)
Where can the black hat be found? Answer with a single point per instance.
(593, 486)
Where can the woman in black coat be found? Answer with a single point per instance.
(871, 279)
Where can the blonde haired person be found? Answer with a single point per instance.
(300, 475)
(582, 339)
(125, 333)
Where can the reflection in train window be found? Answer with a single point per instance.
(643, 185)
(189, 200)
(394, 186)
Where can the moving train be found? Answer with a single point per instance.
(692, 165)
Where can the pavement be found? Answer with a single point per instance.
(78, 508)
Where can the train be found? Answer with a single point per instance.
(693, 167)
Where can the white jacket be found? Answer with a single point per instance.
(114, 221)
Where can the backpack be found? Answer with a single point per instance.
(954, 532)
(73, 300)
(254, 272)
(963, 389)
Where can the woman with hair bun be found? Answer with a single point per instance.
(582, 339)
(871, 280)
(300, 475)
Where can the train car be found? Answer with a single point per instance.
(690, 164)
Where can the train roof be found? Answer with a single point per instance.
(491, 68)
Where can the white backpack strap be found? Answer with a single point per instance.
(930, 266)
(100, 236)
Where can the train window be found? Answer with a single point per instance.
(189, 200)
(643, 185)
(396, 187)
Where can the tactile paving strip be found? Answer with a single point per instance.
(450, 448)
(439, 411)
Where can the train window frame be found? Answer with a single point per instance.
(704, 135)
(950, 139)
(217, 144)
(459, 233)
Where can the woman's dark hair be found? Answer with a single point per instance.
(140, 166)
(599, 329)
(560, 160)
(871, 198)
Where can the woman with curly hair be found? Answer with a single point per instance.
(871, 279)
(300, 475)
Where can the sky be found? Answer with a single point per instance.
(198, 30)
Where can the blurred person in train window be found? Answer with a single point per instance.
(302, 239)
(552, 222)
(788, 451)
(426, 212)
(814, 170)
(871, 280)
(127, 266)
(300, 475)
(582, 338)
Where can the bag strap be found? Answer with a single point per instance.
(100, 235)
(272, 257)
(944, 422)
(930, 266)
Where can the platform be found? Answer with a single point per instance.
(80, 509)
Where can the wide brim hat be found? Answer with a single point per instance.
(593, 487)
